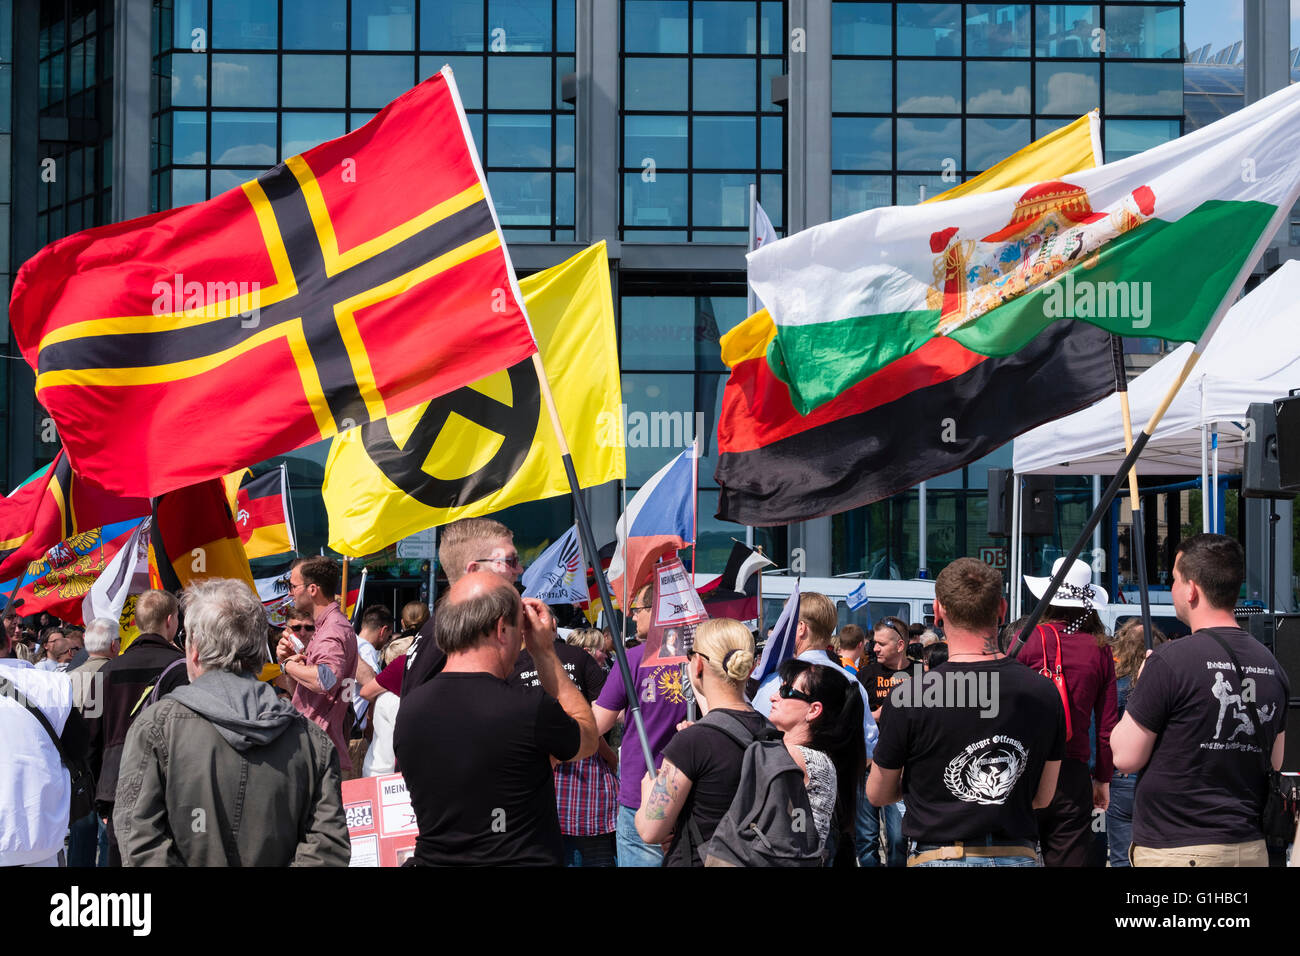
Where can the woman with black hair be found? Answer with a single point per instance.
(820, 713)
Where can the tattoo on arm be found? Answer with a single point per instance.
(663, 792)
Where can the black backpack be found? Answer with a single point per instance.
(770, 820)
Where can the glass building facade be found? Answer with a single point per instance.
(641, 122)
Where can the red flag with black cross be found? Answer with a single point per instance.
(351, 282)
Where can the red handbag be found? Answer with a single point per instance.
(1056, 675)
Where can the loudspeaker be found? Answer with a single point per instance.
(1291, 749)
(1038, 504)
(1286, 646)
(1260, 625)
(1287, 411)
(1262, 477)
(999, 502)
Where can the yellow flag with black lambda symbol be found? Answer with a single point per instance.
(490, 445)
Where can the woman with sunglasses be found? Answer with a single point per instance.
(700, 772)
(820, 713)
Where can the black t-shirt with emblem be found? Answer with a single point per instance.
(1206, 779)
(972, 771)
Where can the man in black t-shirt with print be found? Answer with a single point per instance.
(976, 743)
(1193, 723)
(475, 750)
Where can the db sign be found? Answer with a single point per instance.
(994, 557)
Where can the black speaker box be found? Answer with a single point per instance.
(1287, 411)
(999, 502)
(1286, 647)
(1263, 477)
(1038, 504)
(1291, 749)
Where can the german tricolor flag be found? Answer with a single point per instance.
(363, 277)
(262, 515)
(193, 536)
(924, 415)
(55, 505)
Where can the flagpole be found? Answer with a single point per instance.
(288, 500)
(589, 544)
(1111, 491)
(345, 584)
(1135, 499)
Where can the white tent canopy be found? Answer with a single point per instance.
(1254, 356)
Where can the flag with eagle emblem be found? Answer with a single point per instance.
(557, 576)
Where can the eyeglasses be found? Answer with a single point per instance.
(303, 628)
(510, 562)
(643, 607)
(788, 690)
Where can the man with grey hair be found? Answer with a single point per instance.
(223, 772)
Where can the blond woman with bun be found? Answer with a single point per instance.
(682, 805)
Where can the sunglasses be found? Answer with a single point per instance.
(303, 628)
(788, 691)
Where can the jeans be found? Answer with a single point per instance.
(83, 840)
(1119, 817)
(632, 850)
(868, 834)
(597, 850)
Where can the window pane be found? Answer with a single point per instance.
(188, 187)
(862, 86)
(243, 139)
(188, 15)
(850, 194)
(315, 24)
(566, 24)
(1127, 137)
(929, 86)
(515, 140)
(658, 332)
(358, 120)
(654, 84)
(998, 29)
(928, 143)
(189, 137)
(997, 87)
(564, 142)
(661, 202)
(190, 79)
(451, 24)
(468, 71)
(519, 82)
(771, 193)
(382, 25)
(224, 180)
(244, 25)
(301, 131)
(773, 147)
(660, 138)
(863, 29)
(723, 84)
(1072, 29)
(1146, 31)
(858, 143)
(564, 199)
(723, 142)
(724, 26)
(1067, 88)
(521, 199)
(989, 141)
(929, 29)
(378, 80)
(525, 25)
(313, 80)
(1044, 126)
(655, 26)
(917, 189)
(1144, 88)
(772, 27)
(720, 199)
(243, 79)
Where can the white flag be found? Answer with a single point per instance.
(126, 576)
(763, 234)
(557, 577)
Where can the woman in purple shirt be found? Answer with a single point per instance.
(1072, 634)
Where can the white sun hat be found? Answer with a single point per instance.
(1077, 590)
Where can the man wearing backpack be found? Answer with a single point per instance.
(129, 680)
(1204, 724)
(978, 765)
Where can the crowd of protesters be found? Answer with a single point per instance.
(213, 740)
